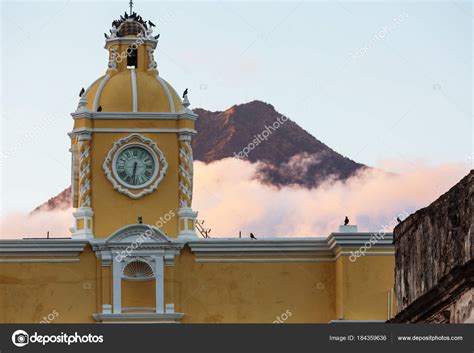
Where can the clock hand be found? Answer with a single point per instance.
(134, 170)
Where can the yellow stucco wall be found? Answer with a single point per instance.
(222, 292)
(363, 287)
(138, 294)
(31, 291)
(255, 292)
(113, 210)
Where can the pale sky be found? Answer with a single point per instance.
(407, 96)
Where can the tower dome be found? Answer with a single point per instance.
(132, 82)
(132, 90)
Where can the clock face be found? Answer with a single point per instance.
(135, 166)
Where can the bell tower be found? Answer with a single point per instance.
(132, 158)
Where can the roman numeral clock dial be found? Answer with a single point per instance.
(135, 166)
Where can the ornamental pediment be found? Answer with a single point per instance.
(138, 232)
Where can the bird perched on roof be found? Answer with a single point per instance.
(140, 219)
(185, 93)
(99, 109)
(151, 24)
(252, 236)
(81, 92)
(399, 220)
(346, 221)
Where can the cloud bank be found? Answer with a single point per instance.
(230, 198)
(23, 225)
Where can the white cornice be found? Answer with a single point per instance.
(44, 247)
(340, 241)
(314, 249)
(315, 246)
(281, 259)
(133, 115)
(281, 246)
(132, 130)
(38, 260)
(129, 41)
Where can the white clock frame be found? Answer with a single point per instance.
(149, 150)
(150, 146)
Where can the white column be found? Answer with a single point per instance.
(84, 213)
(117, 285)
(159, 284)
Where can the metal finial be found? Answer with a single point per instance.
(131, 6)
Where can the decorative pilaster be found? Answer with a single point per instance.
(159, 285)
(186, 216)
(117, 269)
(84, 213)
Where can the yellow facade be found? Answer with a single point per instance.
(134, 255)
(227, 289)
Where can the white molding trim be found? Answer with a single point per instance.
(150, 317)
(85, 214)
(99, 92)
(237, 260)
(93, 83)
(130, 40)
(43, 247)
(168, 93)
(133, 130)
(177, 95)
(133, 77)
(131, 115)
(338, 241)
(38, 260)
(333, 245)
(119, 185)
(138, 309)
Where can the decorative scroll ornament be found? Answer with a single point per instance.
(185, 171)
(113, 59)
(161, 165)
(152, 65)
(84, 174)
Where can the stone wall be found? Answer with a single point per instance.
(434, 252)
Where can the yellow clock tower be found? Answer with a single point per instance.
(134, 255)
(131, 143)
